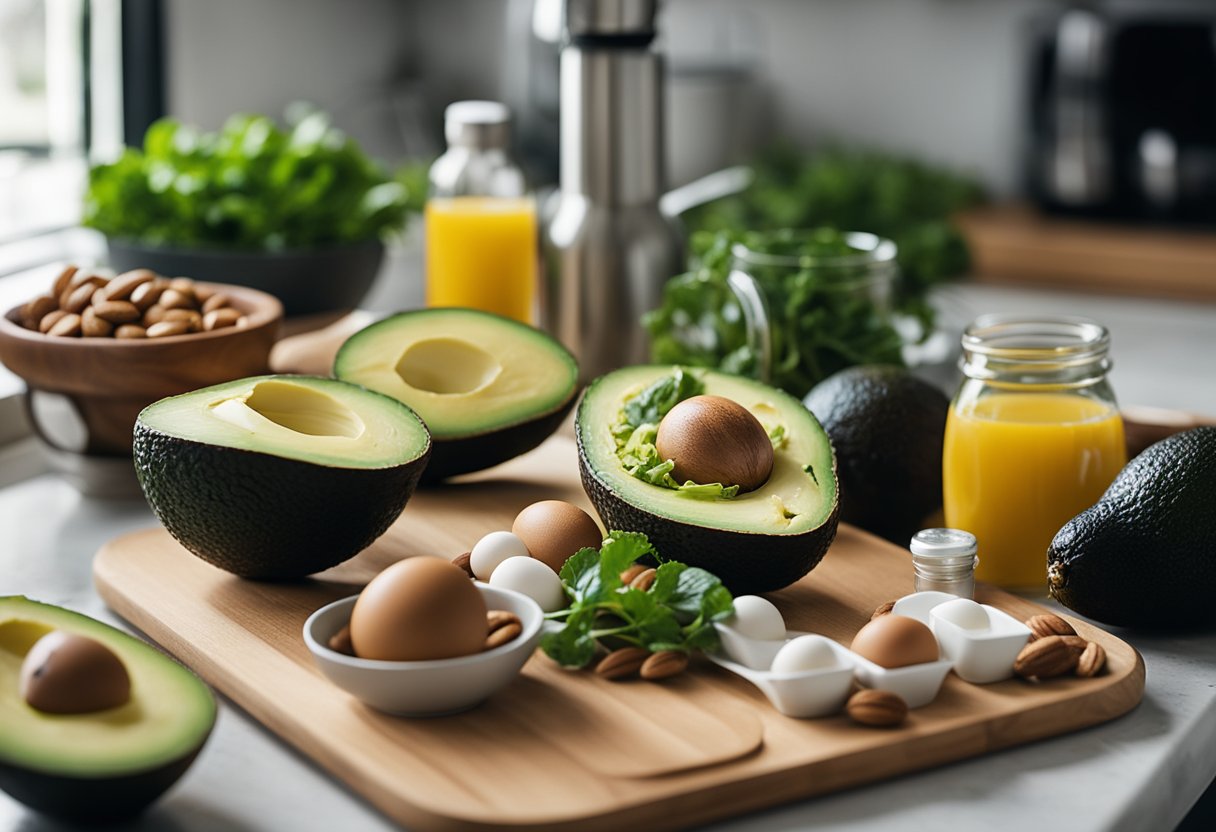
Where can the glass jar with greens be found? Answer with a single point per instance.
(789, 307)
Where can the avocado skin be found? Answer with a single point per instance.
(747, 562)
(452, 457)
(263, 516)
(1145, 554)
(887, 427)
(93, 800)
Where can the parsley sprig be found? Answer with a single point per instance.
(677, 612)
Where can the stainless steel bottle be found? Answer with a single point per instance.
(608, 247)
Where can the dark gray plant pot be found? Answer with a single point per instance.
(307, 281)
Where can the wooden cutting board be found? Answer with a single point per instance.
(560, 749)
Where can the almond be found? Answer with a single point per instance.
(115, 311)
(121, 287)
(164, 329)
(154, 314)
(1092, 660)
(220, 318)
(50, 319)
(1048, 624)
(462, 561)
(632, 572)
(340, 642)
(621, 664)
(878, 708)
(63, 281)
(1046, 657)
(127, 331)
(644, 580)
(146, 294)
(93, 326)
(37, 309)
(66, 327)
(663, 664)
(76, 298)
(192, 320)
(217, 301)
(501, 627)
(882, 609)
(177, 299)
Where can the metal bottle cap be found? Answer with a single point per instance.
(943, 543)
(610, 18)
(477, 124)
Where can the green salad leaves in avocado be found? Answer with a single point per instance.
(677, 612)
(758, 539)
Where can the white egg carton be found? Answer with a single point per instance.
(808, 693)
(980, 657)
(916, 684)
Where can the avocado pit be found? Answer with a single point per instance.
(65, 673)
(712, 439)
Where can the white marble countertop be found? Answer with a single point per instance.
(1140, 772)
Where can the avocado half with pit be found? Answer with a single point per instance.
(756, 541)
(279, 476)
(489, 388)
(102, 766)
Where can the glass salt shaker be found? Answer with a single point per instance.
(944, 560)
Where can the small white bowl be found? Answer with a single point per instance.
(982, 656)
(808, 693)
(917, 684)
(427, 688)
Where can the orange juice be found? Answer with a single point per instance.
(1018, 466)
(481, 253)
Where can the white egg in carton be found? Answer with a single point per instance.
(979, 639)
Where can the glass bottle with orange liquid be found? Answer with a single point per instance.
(481, 237)
(1033, 437)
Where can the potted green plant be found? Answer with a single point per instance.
(299, 212)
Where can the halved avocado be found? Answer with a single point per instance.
(489, 388)
(756, 541)
(102, 766)
(279, 476)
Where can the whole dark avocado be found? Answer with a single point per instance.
(1145, 554)
(887, 427)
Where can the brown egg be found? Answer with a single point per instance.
(417, 610)
(895, 641)
(553, 531)
(65, 673)
(713, 439)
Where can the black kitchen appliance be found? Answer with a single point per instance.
(1123, 113)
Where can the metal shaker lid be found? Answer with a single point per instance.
(610, 18)
(943, 543)
(477, 124)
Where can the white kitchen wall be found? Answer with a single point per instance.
(937, 78)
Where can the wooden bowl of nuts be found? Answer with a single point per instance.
(94, 351)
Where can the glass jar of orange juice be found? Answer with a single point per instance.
(1033, 437)
(481, 238)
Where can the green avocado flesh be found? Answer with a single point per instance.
(315, 420)
(168, 717)
(464, 372)
(792, 501)
(755, 541)
(279, 476)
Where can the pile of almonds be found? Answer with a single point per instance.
(135, 304)
(1055, 649)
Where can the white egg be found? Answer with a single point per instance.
(964, 613)
(492, 550)
(757, 618)
(531, 577)
(804, 653)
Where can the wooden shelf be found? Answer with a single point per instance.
(1011, 243)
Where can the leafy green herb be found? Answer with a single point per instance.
(637, 428)
(817, 329)
(677, 612)
(251, 185)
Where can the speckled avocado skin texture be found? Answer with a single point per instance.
(1145, 554)
(263, 516)
(747, 563)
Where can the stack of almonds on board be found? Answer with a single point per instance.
(135, 304)
(1055, 649)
